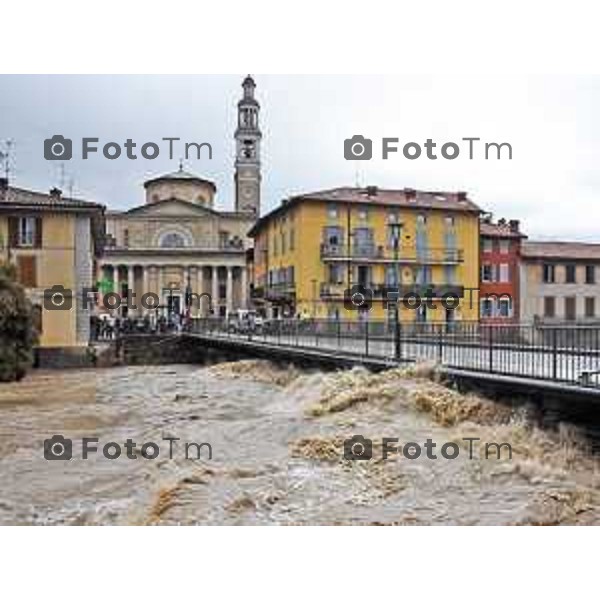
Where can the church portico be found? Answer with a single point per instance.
(221, 287)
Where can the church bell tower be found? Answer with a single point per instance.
(247, 161)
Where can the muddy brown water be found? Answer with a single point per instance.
(276, 438)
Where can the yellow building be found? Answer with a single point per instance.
(424, 243)
(52, 241)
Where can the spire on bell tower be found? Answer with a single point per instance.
(247, 162)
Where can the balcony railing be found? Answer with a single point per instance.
(274, 291)
(384, 254)
(387, 291)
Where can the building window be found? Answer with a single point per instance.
(421, 220)
(172, 240)
(423, 276)
(505, 307)
(590, 274)
(26, 233)
(393, 217)
(570, 273)
(450, 274)
(333, 236)
(504, 246)
(549, 306)
(570, 308)
(486, 273)
(548, 275)
(332, 211)
(391, 275)
(394, 236)
(363, 214)
(363, 241)
(504, 273)
(292, 239)
(449, 221)
(126, 238)
(487, 245)
(336, 273)
(487, 308)
(590, 307)
(37, 318)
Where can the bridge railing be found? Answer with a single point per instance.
(561, 353)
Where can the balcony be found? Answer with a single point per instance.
(431, 290)
(332, 290)
(385, 291)
(383, 254)
(276, 291)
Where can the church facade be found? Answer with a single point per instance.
(176, 243)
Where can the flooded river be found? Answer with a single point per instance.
(277, 441)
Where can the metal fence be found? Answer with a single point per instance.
(558, 353)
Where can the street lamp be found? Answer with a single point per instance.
(395, 229)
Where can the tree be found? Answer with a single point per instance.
(17, 333)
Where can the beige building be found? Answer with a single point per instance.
(52, 241)
(560, 281)
(176, 242)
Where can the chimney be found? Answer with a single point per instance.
(502, 222)
(372, 191)
(55, 193)
(461, 196)
(410, 194)
(3, 183)
(514, 225)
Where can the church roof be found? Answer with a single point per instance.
(180, 175)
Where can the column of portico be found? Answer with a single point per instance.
(190, 277)
(215, 290)
(116, 287)
(130, 291)
(144, 289)
(229, 290)
(161, 283)
(244, 287)
(199, 290)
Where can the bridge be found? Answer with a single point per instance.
(561, 360)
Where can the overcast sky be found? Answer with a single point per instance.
(552, 182)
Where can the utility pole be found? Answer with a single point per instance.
(395, 235)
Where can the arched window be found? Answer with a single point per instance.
(172, 240)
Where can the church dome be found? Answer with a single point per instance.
(180, 175)
(180, 185)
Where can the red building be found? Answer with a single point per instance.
(500, 249)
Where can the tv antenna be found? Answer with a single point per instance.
(357, 177)
(61, 183)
